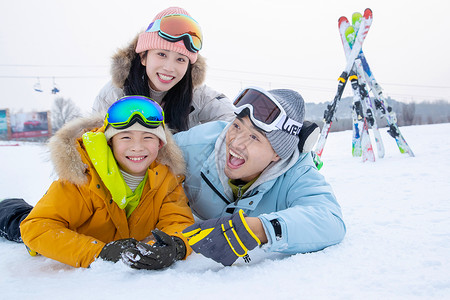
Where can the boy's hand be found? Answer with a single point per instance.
(113, 250)
(162, 254)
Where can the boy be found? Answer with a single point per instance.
(116, 185)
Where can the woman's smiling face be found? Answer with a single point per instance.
(164, 68)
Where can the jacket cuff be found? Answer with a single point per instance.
(275, 229)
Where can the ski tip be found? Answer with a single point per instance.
(350, 29)
(350, 35)
(341, 20)
(356, 14)
(367, 13)
(356, 18)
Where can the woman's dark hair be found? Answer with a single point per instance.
(177, 101)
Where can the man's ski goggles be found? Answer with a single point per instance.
(131, 109)
(176, 27)
(265, 111)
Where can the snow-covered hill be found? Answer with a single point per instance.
(397, 212)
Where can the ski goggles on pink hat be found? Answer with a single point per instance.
(131, 109)
(176, 27)
(265, 111)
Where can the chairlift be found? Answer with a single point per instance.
(55, 88)
(37, 86)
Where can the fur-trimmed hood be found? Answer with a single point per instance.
(66, 150)
(122, 59)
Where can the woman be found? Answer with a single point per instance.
(163, 63)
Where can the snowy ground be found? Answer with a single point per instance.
(397, 212)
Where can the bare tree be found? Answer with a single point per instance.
(63, 111)
(409, 112)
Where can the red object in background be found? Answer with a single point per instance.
(32, 123)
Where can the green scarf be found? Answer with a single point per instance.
(239, 187)
(106, 166)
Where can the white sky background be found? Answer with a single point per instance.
(273, 44)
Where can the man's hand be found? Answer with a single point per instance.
(256, 226)
(162, 254)
(223, 239)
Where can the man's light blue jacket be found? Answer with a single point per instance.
(296, 205)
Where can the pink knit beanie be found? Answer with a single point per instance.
(151, 40)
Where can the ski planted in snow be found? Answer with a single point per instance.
(348, 33)
(357, 109)
(329, 113)
(380, 104)
(386, 110)
(362, 143)
(370, 109)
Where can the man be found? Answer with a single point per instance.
(252, 185)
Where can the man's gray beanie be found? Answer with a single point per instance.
(292, 102)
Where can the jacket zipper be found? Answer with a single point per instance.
(213, 188)
(239, 193)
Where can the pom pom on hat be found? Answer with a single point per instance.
(151, 40)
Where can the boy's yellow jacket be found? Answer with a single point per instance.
(77, 216)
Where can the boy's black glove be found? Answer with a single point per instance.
(113, 250)
(161, 254)
(223, 239)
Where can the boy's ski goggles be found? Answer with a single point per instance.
(131, 109)
(265, 111)
(176, 27)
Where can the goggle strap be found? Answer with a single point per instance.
(186, 38)
(289, 125)
(154, 26)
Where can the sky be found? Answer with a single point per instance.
(397, 245)
(272, 44)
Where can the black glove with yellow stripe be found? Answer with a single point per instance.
(223, 239)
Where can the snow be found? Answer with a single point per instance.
(397, 213)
